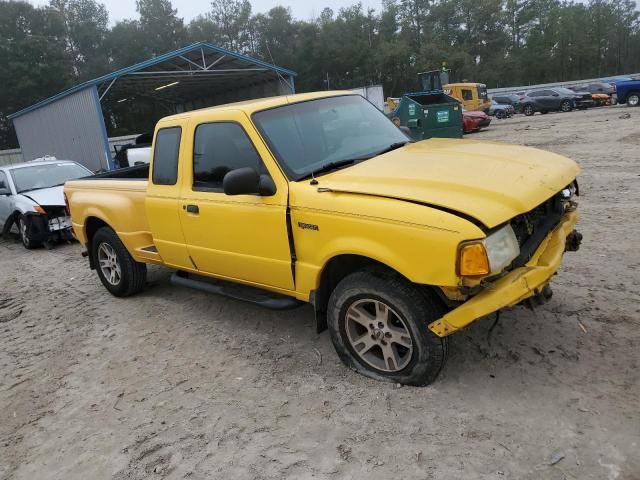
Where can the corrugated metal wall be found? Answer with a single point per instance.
(71, 128)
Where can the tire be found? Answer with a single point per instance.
(544, 112)
(23, 228)
(117, 270)
(528, 110)
(500, 114)
(565, 106)
(416, 355)
(633, 99)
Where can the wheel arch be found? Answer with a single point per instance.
(10, 221)
(91, 226)
(335, 270)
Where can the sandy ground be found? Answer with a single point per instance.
(178, 384)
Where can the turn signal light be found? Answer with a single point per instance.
(473, 260)
(39, 209)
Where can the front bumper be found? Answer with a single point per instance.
(514, 287)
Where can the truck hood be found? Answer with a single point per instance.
(53, 196)
(490, 182)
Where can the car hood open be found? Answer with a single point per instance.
(53, 196)
(490, 182)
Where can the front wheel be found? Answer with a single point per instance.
(633, 100)
(118, 271)
(24, 225)
(499, 114)
(565, 106)
(378, 324)
(528, 110)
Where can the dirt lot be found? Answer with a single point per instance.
(179, 384)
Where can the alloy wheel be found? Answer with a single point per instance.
(378, 335)
(109, 264)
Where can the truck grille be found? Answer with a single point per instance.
(532, 227)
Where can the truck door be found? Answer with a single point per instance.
(162, 203)
(241, 237)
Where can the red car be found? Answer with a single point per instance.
(473, 121)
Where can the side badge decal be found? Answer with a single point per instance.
(308, 226)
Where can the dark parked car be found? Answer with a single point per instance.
(508, 99)
(554, 99)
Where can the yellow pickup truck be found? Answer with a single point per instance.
(320, 198)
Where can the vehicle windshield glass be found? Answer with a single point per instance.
(308, 136)
(482, 93)
(45, 176)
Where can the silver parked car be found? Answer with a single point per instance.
(32, 199)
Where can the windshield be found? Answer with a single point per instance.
(307, 136)
(45, 176)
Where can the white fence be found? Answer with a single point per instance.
(8, 157)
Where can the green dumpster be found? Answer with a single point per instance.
(429, 114)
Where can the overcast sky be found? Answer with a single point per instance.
(188, 9)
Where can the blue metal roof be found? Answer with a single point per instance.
(151, 62)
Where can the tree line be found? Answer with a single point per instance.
(44, 50)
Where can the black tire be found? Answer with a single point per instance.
(133, 275)
(633, 99)
(528, 110)
(544, 112)
(566, 106)
(408, 304)
(24, 225)
(500, 114)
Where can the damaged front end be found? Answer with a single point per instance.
(48, 224)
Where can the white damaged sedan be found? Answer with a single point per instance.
(32, 199)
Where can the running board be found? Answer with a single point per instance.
(273, 301)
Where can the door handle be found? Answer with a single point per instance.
(192, 208)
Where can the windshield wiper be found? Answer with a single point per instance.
(350, 161)
(331, 166)
(393, 146)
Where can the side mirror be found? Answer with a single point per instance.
(246, 181)
(556, 95)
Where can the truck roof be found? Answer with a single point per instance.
(251, 106)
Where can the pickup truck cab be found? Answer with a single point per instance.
(320, 198)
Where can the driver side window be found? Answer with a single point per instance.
(218, 149)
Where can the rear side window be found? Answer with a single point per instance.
(218, 149)
(467, 94)
(165, 156)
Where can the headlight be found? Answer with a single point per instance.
(488, 256)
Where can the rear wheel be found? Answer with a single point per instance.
(500, 114)
(528, 110)
(118, 271)
(633, 100)
(24, 226)
(378, 324)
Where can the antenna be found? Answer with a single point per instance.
(274, 64)
(313, 179)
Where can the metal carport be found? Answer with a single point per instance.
(71, 125)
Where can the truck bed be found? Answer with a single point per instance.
(116, 199)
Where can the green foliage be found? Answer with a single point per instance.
(498, 42)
